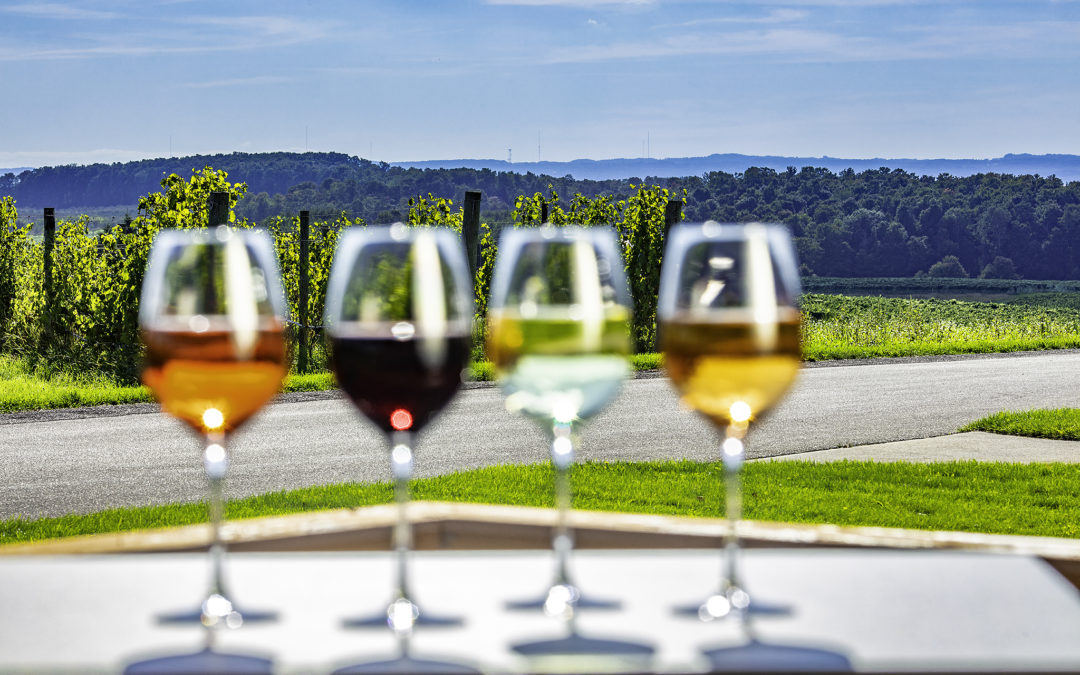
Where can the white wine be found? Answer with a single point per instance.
(554, 366)
(719, 361)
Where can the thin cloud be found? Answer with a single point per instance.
(235, 34)
(257, 80)
(1027, 39)
(774, 16)
(581, 4)
(277, 27)
(776, 41)
(53, 10)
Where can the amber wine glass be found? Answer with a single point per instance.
(399, 317)
(558, 337)
(212, 318)
(729, 330)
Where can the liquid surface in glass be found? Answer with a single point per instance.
(399, 384)
(555, 366)
(191, 372)
(716, 362)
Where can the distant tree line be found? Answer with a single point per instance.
(880, 223)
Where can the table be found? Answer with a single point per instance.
(887, 610)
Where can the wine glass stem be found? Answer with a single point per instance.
(215, 461)
(562, 457)
(734, 454)
(402, 461)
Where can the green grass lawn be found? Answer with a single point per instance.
(967, 496)
(1062, 423)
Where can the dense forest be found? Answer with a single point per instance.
(877, 223)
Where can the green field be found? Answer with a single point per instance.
(968, 496)
(837, 326)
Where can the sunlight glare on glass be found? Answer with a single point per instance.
(213, 418)
(402, 615)
(403, 330)
(740, 411)
(732, 447)
(401, 419)
(560, 601)
(214, 453)
(564, 412)
(716, 607)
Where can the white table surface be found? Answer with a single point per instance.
(887, 610)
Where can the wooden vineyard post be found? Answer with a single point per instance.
(470, 229)
(48, 243)
(305, 235)
(672, 215)
(219, 209)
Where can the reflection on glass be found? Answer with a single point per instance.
(399, 318)
(212, 318)
(729, 329)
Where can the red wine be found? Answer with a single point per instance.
(389, 381)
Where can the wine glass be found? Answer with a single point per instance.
(558, 337)
(729, 329)
(212, 317)
(399, 318)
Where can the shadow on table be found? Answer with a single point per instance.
(407, 664)
(758, 656)
(204, 661)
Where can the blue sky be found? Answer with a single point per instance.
(400, 80)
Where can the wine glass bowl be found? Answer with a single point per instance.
(212, 317)
(729, 328)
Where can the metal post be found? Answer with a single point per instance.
(305, 234)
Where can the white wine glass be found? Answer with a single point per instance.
(729, 328)
(212, 317)
(399, 318)
(558, 337)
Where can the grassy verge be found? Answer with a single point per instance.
(22, 390)
(966, 496)
(835, 327)
(1061, 423)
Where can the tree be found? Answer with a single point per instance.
(1001, 268)
(949, 266)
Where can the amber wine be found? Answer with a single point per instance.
(554, 365)
(190, 372)
(716, 362)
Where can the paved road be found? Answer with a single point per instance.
(81, 465)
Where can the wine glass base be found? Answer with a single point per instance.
(579, 645)
(758, 656)
(702, 611)
(381, 620)
(407, 664)
(196, 616)
(205, 661)
(582, 602)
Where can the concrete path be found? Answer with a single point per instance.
(973, 445)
